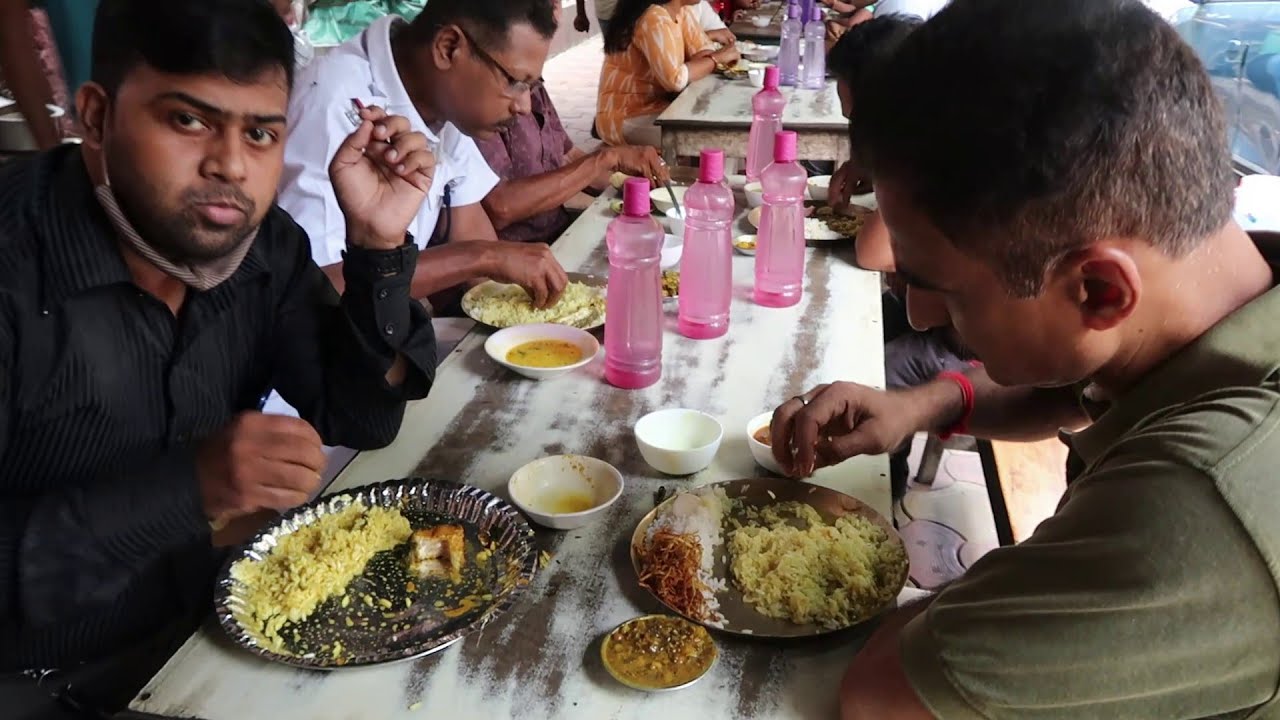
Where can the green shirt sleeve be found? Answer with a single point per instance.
(1143, 597)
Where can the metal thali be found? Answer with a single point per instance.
(419, 616)
(740, 618)
(477, 293)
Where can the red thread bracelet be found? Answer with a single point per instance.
(961, 426)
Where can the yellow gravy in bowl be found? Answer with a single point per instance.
(544, 354)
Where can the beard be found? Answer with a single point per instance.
(179, 232)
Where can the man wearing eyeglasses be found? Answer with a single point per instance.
(461, 69)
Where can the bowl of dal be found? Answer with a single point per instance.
(758, 441)
(542, 351)
(564, 492)
(678, 441)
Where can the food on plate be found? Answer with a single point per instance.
(310, 565)
(503, 306)
(545, 354)
(678, 554)
(658, 652)
(762, 436)
(745, 244)
(670, 283)
(843, 225)
(791, 565)
(438, 552)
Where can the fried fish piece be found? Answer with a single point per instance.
(438, 551)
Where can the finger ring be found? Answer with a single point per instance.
(803, 400)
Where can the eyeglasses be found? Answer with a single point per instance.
(515, 86)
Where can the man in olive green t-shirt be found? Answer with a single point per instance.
(1070, 216)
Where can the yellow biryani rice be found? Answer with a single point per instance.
(312, 564)
(829, 575)
(506, 306)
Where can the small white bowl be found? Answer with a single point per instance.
(545, 487)
(818, 186)
(738, 241)
(761, 452)
(760, 21)
(756, 77)
(678, 441)
(674, 222)
(662, 200)
(672, 249)
(503, 341)
(755, 194)
(759, 53)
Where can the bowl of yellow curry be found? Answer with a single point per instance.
(542, 351)
(656, 653)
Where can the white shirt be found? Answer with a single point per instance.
(364, 68)
(923, 9)
(707, 17)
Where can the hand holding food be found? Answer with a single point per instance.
(532, 267)
(726, 56)
(835, 422)
(258, 462)
(641, 161)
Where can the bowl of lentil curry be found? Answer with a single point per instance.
(657, 653)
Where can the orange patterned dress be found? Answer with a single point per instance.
(643, 79)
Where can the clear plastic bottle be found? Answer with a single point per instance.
(780, 250)
(766, 108)
(789, 47)
(815, 60)
(633, 306)
(706, 265)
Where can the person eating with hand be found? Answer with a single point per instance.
(150, 292)
(460, 69)
(1071, 216)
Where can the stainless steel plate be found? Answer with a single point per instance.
(471, 296)
(418, 622)
(740, 617)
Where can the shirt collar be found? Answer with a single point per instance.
(386, 83)
(79, 250)
(1242, 350)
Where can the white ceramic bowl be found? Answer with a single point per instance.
(756, 77)
(678, 441)
(760, 21)
(674, 223)
(662, 201)
(501, 342)
(545, 489)
(738, 241)
(761, 452)
(759, 53)
(818, 186)
(755, 194)
(672, 249)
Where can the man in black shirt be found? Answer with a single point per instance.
(150, 293)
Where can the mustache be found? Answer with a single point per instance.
(223, 195)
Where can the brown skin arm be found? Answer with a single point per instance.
(1016, 414)
(514, 200)
(875, 687)
(23, 73)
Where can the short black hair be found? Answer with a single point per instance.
(238, 39)
(1025, 130)
(866, 45)
(488, 21)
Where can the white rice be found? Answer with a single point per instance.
(698, 513)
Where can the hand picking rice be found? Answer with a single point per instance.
(830, 575)
(312, 564)
(503, 306)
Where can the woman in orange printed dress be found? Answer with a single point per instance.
(653, 50)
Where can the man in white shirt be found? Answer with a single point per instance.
(461, 68)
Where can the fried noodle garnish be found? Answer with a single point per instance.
(670, 569)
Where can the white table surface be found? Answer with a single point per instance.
(715, 102)
(541, 660)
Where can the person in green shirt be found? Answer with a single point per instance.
(1071, 217)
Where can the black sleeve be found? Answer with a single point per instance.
(332, 354)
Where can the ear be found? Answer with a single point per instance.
(444, 48)
(1107, 286)
(91, 107)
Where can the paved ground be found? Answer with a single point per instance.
(572, 80)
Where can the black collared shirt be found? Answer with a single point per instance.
(104, 395)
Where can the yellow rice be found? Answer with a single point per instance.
(312, 564)
(829, 575)
(505, 306)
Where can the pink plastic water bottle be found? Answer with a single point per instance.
(706, 265)
(633, 306)
(780, 247)
(766, 108)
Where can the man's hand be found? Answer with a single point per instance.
(580, 23)
(847, 181)
(532, 267)
(723, 36)
(258, 462)
(380, 175)
(641, 161)
(726, 56)
(842, 420)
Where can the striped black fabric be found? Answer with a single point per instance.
(104, 395)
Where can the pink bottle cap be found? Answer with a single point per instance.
(784, 147)
(635, 197)
(711, 166)
(771, 77)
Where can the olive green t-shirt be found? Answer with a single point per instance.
(1152, 592)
